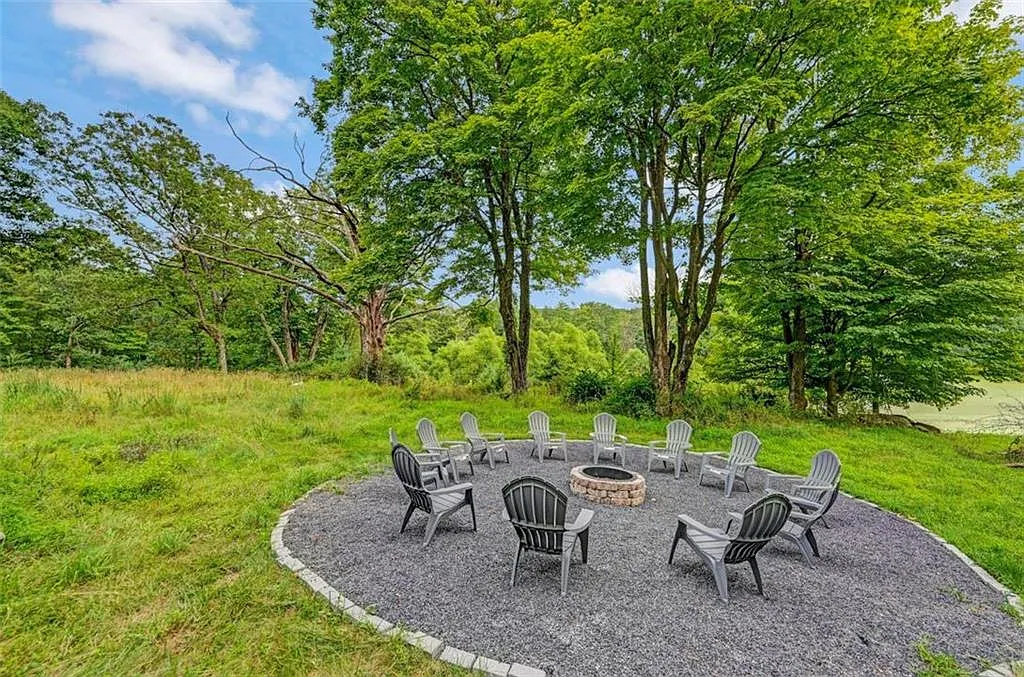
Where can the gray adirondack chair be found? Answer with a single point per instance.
(546, 441)
(437, 503)
(759, 523)
(486, 445)
(799, 528)
(452, 452)
(673, 448)
(431, 465)
(536, 509)
(733, 468)
(826, 470)
(606, 439)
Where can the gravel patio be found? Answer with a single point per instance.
(881, 586)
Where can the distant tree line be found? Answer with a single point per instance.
(816, 194)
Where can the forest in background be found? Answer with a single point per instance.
(817, 196)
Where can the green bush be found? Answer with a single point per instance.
(633, 397)
(586, 386)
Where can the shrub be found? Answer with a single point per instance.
(586, 386)
(633, 397)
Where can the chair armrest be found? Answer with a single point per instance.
(593, 436)
(710, 454)
(658, 444)
(796, 500)
(582, 521)
(455, 488)
(494, 437)
(453, 443)
(815, 487)
(553, 433)
(697, 526)
(621, 438)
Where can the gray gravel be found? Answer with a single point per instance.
(880, 587)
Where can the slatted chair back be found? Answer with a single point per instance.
(540, 427)
(537, 511)
(427, 432)
(604, 428)
(407, 468)
(470, 427)
(762, 520)
(745, 446)
(393, 436)
(678, 435)
(825, 468)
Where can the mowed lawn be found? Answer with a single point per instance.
(137, 509)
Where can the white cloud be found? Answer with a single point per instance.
(961, 9)
(199, 113)
(159, 45)
(621, 284)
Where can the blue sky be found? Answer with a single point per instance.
(195, 61)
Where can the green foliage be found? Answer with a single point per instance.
(586, 386)
(937, 664)
(633, 396)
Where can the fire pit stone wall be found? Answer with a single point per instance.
(602, 484)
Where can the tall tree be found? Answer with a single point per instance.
(705, 98)
(440, 128)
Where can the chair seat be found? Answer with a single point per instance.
(715, 470)
(442, 502)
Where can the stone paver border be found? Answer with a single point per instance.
(466, 659)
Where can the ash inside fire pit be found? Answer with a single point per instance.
(608, 485)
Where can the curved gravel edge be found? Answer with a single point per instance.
(466, 659)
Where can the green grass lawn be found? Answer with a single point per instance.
(138, 508)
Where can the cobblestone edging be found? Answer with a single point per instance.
(466, 659)
(432, 645)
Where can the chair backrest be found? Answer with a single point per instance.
(537, 510)
(678, 435)
(393, 436)
(407, 468)
(540, 427)
(745, 446)
(470, 426)
(604, 428)
(825, 468)
(427, 433)
(826, 505)
(761, 521)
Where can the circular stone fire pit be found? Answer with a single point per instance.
(608, 485)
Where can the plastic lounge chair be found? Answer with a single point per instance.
(742, 456)
(545, 441)
(759, 523)
(431, 465)
(536, 509)
(437, 503)
(483, 444)
(673, 448)
(799, 528)
(606, 440)
(451, 452)
(826, 469)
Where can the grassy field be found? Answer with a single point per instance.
(138, 507)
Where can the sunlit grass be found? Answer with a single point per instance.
(137, 509)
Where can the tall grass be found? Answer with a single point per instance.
(137, 508)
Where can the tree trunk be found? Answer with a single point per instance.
(318, 334)
(291, 348)
(832, 395)
(273, 342)
(67, 351)
(794, 333)
(222, 350)
(372, 333)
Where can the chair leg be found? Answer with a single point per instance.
(824, 523)
(515, 565)
(472, 511)
(677, 467)
(648, 461)
(408, 514)
(507, 459)
(757, 575)
(721, 580)
(490, 458)
(584, 543)
(566, 556)
(680, 534)
(813, 542)
(728, 485)
(471, 470)
(432, 523)
(805, 548)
